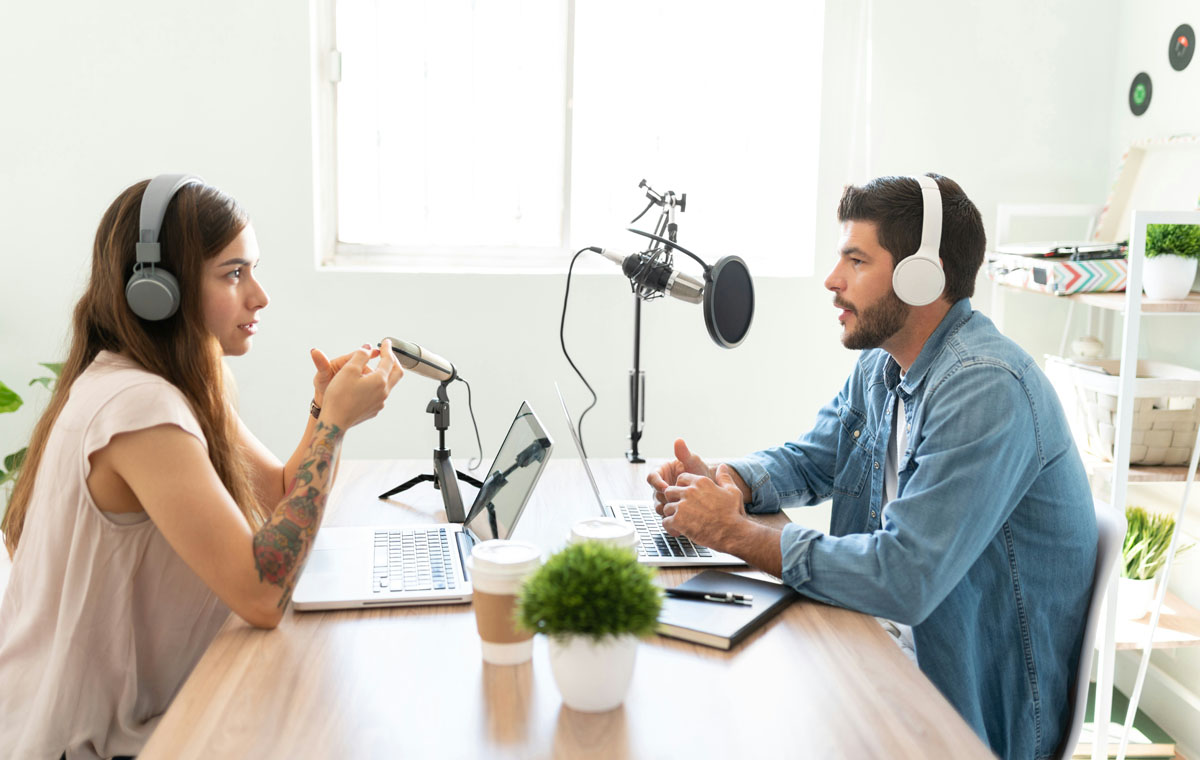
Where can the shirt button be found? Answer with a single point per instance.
(877, 465)
(872, 513)
(855, 433)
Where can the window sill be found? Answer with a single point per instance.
(455, 260)
(493, 261)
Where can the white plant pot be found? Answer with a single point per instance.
(1168, 277)
(593, 676)
(1134, 597)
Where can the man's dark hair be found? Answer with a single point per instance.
(894, 204)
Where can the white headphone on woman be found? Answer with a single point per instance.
(918, 279)
(153, 293)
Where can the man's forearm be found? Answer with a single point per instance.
(758, 544)
(747, 494)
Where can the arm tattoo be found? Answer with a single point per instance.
(281, 546)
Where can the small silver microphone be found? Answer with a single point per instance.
(422, 361)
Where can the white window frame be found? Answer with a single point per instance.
(333, 253)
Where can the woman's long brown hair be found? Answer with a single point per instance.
(200, 222)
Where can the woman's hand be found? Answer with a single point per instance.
(357, 393)
(327, 368)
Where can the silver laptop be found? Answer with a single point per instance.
(391, 565)
(655, 545)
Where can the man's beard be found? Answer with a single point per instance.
(876, 323)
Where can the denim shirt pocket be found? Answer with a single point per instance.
(854, 460)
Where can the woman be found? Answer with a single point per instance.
(146, 510)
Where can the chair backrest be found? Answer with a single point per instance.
(1110, 529)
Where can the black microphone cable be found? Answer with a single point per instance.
(478, 441)
(562, 341)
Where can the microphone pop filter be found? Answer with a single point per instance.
(728, 302)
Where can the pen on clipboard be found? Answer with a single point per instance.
(709, 596)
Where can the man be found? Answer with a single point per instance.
(960, 504)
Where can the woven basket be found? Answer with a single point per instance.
(1166, 411)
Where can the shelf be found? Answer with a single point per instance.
(1116, 301)
(1178, 626)
(1138, 473)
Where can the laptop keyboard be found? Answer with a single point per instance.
(408, 560)
(653, 541)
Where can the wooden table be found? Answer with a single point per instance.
(818, 681)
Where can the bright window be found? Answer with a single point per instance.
(502, 134)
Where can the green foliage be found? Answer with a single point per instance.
(48, 382)
(590, 589)
(12, 463)
(11, 402)
(1179, 239)
(1146, 543)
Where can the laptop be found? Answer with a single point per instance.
(655, 545)
(392, 565)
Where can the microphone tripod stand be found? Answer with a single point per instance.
(444, 477)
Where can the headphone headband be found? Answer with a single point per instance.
(931, 227)
(157, 195)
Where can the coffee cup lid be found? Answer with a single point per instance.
(606, 530)
(500, 556)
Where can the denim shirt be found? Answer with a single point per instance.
(988, 549)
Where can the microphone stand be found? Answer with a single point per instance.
(637, 376)
(637, 387)
(445, 478)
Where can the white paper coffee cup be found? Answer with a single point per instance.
(606, 530)
(498, 568)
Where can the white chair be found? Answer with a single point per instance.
(1110, 527)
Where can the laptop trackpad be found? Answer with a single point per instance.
(324, 562)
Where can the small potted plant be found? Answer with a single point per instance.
(1143, 554)
(1171, 254)
(594, 601)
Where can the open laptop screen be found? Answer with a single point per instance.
(511, 478)
(579, 448)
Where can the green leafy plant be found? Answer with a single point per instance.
(590, 589)
(1146, 543)
(11, 402)
(1179, 239)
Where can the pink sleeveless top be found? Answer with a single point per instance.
(102, 621)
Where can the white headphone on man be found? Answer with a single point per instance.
(918, 279)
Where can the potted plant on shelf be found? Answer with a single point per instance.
(1171, 254)
(1143, 554)
(594, 601)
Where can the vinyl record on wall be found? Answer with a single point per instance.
(1183, 43)
(1139, 94)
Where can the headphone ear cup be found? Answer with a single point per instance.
(918, 280)
(152, 293)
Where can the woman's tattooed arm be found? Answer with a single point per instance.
(282, 545)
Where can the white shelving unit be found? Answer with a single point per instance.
(1180, 624)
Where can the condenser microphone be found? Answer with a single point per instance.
(657, 275)
(727, 292)
(422, 361)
